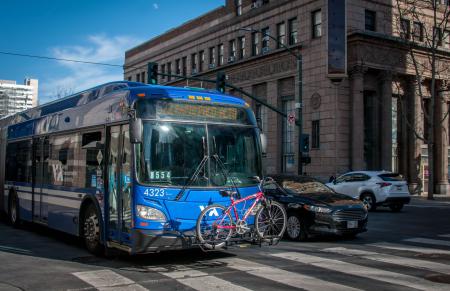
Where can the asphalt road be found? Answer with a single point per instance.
(401, 251)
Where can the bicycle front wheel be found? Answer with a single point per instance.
(270, 221)
(214, 227)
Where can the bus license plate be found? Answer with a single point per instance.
(352, 224)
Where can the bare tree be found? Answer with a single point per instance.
(62, 92)
(425, 56)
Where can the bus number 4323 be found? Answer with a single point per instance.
(154, 192)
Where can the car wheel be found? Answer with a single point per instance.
(369, 201)
(396, 207)
(295, 229)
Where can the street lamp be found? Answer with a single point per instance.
(299, 99)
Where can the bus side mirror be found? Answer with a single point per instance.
(263, 143)
(136, 130)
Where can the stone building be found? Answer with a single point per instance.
(357, 119)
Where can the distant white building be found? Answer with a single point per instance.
(15, 98)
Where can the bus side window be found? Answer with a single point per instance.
(93, 147)
(18, 162)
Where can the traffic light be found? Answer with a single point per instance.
(304, 143)
(220, 82)
(152, 75)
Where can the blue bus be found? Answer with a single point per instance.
(126, 165)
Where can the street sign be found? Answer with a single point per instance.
(291, 118)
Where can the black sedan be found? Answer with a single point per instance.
(313, 208)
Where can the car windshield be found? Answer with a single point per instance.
(307, 187)
(172, 152)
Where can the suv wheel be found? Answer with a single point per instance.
(369, 201)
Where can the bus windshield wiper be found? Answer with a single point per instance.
(225, 173)
(197, 171)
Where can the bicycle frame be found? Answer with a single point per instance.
(259, 196)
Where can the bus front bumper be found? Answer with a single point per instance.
(149, 241)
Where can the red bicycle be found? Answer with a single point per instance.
(216, 225)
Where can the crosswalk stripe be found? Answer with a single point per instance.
(199, 280)
(296, 280)
(362, 271)
(409, 262)
(400, 247)
(445, 235)
(429, 241)
(108, 280)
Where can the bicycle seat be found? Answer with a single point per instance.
(227, 193)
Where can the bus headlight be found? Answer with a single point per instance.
(150, 213)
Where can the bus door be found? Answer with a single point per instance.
(119, 184)
(41, 151)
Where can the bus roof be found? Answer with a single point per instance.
(68, 111)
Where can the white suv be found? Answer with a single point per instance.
(374, 188)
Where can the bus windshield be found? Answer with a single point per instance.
(172, 152)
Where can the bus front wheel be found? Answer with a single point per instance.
(91, 230)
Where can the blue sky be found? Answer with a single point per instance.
(92, 30)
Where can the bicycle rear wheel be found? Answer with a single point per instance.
(270, 222)
(214, 227)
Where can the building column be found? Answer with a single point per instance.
(441, 135)
(386, 121)
(416, 129)
(357, 101)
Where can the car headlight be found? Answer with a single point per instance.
(150, 213)
(318, 209)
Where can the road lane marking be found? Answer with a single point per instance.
(391, 259)
(108, 280)
(198, 280)
(292, 279)
(362, 271)
(400, 247)
(429, 241)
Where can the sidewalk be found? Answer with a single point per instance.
(439, 200)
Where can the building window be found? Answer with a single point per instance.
(220, 54)
(293, 31)
(405, 28)
(238, 7)
(255, 43)
(261, 116)
(129, 78)
(169, 71)
(232, 50)
(437, 35)
(315, 134)
(447, 39)
(370, 20)
(281, 34)
(163, 71)
(242, 47)
(143, 77)
(265, 40)
(288, 152)
(194, 64)
(201, 60)
(316, 23)
(417, 31)
(212, 57)
(138, 77)
(177, 67)
(184, 66)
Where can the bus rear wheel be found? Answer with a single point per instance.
(91, 230)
